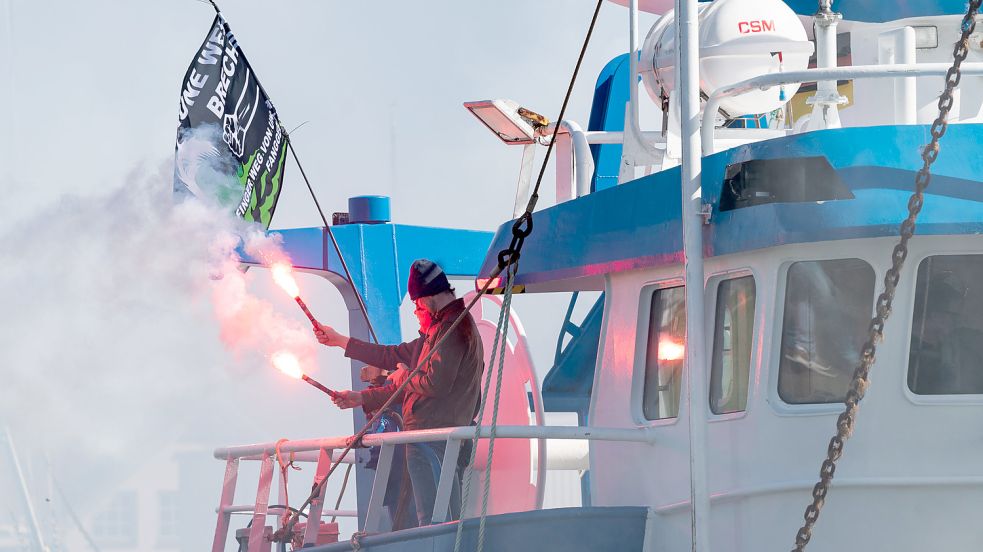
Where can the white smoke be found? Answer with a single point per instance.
(125, 317)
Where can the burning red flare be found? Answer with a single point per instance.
(283, 276)
(671, 350)
(288, 364)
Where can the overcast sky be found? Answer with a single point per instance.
(92, 88)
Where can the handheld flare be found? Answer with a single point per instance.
(284, 278)
(289, 365)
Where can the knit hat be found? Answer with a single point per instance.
(426, 279)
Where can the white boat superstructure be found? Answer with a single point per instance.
(740, 233)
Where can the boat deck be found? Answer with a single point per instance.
(560, 529)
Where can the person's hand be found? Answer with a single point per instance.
(369, 373)
(399, 376)
(326, 335)
(347, 399)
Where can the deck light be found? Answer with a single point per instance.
(511, 123)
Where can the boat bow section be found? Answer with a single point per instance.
(555, 530)
(637, 224)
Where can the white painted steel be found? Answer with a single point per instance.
(811, 75)
(635, 151)
(325, 458)
(574, 161)
(567, 455)
(228, 495)
(910, 479)
(262, 504)
(898, 46)
(825, 101)
(452, 435)
(842, 483)
(688, 82)
(373, 519)
(628, 435)
(441, 503)
(248, 509)
(525, 179)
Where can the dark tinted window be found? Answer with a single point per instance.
(946, 354)
(828, 306)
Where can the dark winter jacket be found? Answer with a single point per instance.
(444, 393)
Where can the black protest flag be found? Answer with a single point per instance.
(230, 146)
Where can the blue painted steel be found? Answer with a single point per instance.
(378, 256)
(369, 209)
(608, 113)
(553, 530)
(567, 386)
(879, 11)
(637, 224)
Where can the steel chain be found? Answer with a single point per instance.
(858, 387)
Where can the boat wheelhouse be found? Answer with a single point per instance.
(801, 192)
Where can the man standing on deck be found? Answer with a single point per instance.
(443, 393)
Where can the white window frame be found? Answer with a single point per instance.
(755, 360)
(645, 297)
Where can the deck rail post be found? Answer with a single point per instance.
(228, 495)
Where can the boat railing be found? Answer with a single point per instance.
(574, 160)
(764, 82)
(324, 452)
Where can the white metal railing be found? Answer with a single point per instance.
(323, 451)
(764, 82)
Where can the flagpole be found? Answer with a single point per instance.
(327, 227)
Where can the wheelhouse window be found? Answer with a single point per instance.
(946, 353)
(828, 306)
(664, 354)
(730, 366)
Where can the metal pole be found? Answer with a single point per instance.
(327, 227)
(688, 85)
(334, 242)
(25, 494)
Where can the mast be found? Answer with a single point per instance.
(688, 86)
(25, 495)
(687, 69)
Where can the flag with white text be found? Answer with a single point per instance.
(230, 146)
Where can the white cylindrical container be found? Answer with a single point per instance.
(739, 39)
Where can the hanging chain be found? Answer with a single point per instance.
(858, 387)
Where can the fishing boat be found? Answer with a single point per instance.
(744, 194)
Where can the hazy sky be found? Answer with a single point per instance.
(92, 87)
(90, 90)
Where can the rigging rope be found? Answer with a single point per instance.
(509, 257)
(499, 345)
(522, 226)
(341, 494)
(283, 478)
(858, 386)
